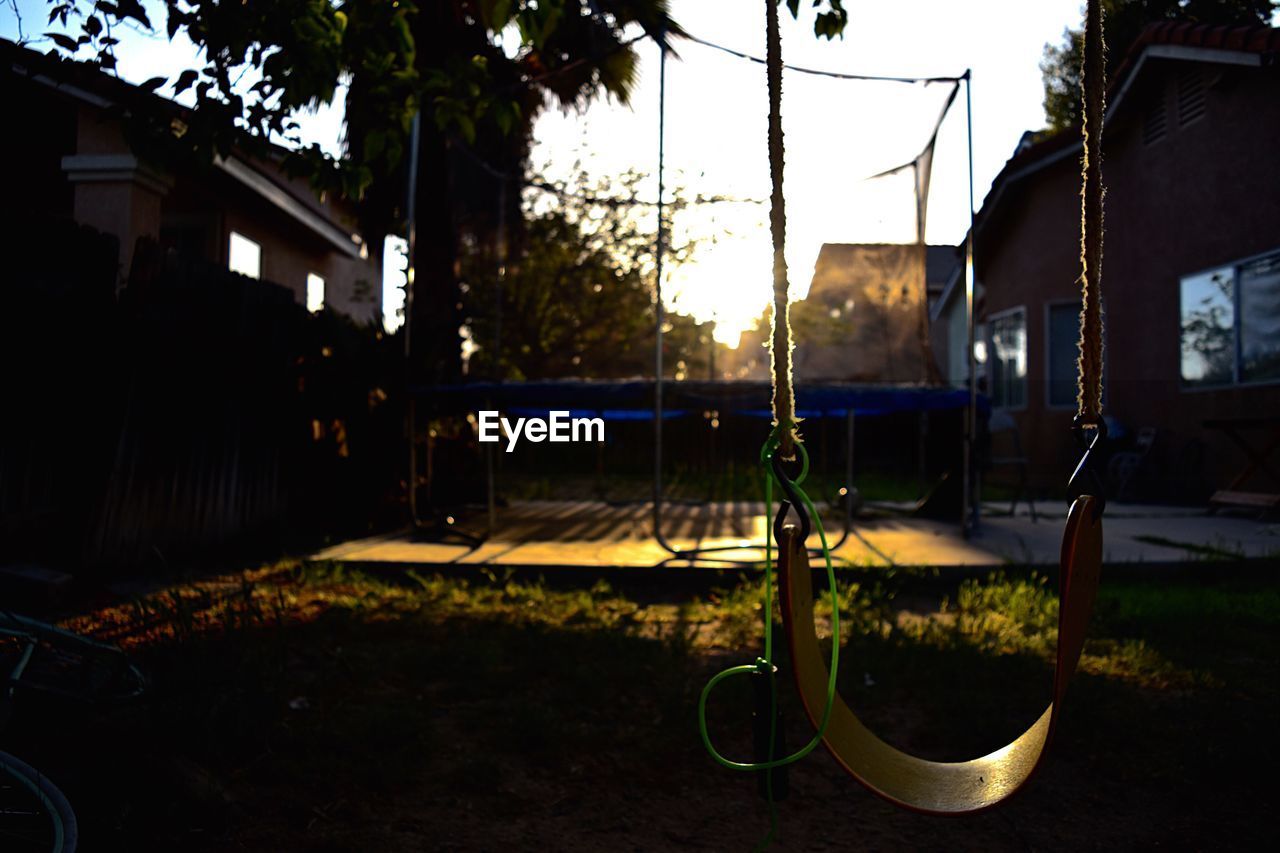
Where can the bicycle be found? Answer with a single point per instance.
(50, 661)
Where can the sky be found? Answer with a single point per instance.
(837, 133)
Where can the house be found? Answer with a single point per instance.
(948, 325)
(865, 318)
(74, 154)
(848, 300)
(1191, 278)
(941, 263)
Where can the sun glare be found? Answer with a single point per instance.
(839, 133)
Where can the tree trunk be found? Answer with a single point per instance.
(435, 317)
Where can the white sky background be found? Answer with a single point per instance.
(837, 133)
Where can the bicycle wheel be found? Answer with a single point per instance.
(34, 815)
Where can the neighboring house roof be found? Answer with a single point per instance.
(939, 260)
(939, 264)
(865, 312)
(943, 264)
(948, 290)
(88, 84)
(1253, 46)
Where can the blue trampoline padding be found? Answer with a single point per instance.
(607, 414)
(632, 399)
(641, 414)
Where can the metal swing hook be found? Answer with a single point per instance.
(1086, 480)
(793, 501)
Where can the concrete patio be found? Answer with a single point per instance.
(546, 534)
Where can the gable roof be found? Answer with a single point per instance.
(940, 263)
(1258, 40)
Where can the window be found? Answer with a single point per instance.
(1230, 324)
(1260, 319)
(1007, 359)
(244, 256)
(1062, 351)
(315, 293)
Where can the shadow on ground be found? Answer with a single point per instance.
(316, 710)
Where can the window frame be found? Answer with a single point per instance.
(991, 320)
(1049, 305)
(1238, 351)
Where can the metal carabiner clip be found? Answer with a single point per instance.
(1086, 480)
(793, 502)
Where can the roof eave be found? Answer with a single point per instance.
(347, 243)
(250, 177)
(1188, 53)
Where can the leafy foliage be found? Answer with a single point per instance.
(265, 62)
(579, 301)
(449, 61)
(1123, 22)
(830, 22)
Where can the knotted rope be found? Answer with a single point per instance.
(1093, 88)
(784, 404)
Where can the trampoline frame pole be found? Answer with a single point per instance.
(659, 251)
(969, 511)
(490, 496)
(411, 228)
(848, 477)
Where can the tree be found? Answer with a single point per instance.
(442, 59)
(579, 301)
(1123, 22)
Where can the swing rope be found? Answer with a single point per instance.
(1093, 87)
(930, 787)
(784, 404)
(784, 444)
(966, 787)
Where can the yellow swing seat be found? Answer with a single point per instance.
(937, 787)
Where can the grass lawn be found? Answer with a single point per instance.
(311, 708)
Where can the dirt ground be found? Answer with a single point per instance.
(310, 709)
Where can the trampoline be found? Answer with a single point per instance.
(649, 400)
(888, 284)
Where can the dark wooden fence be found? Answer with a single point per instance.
(191, 410)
